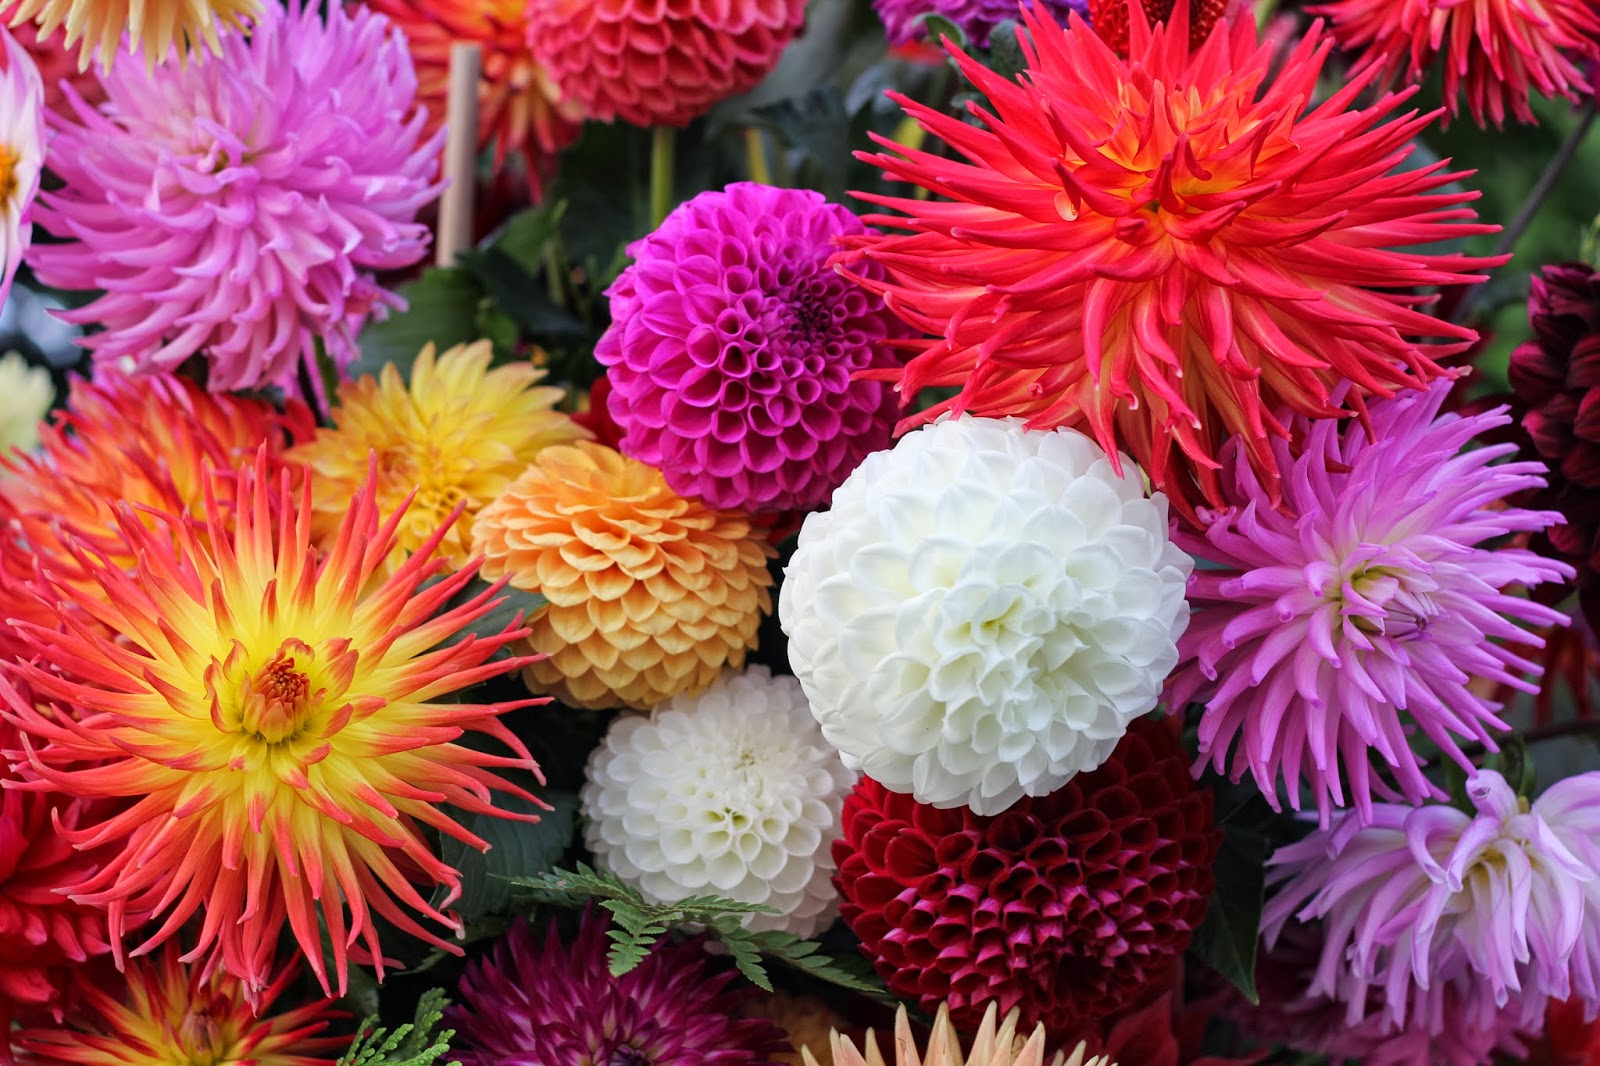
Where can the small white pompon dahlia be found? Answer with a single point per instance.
(983, 610)
(731, 792)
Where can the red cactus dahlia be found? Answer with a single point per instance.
(1167, 250)
(1070, 906)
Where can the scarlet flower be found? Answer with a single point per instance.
(1110, 19)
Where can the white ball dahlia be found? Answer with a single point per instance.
(732, 792)
(983, 610)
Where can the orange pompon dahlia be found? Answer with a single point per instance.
(163, 1011)
(1164, 251)
(651, 594)
(520, 109)
(1495, 52)
(456, 437)
(276, 718)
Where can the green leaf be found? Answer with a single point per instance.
(1005, 51)
(512, 606)
(1455, 783)
(523, 295)
(1226, 940)
(816, 127)
(417, 1043)
(525, 238)
(442, 310)
(938, 28)
(516, 849)
(362, 998)
(1514, 763)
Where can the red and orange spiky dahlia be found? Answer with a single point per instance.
(1167, 250)
(274, 718)
(520, 109)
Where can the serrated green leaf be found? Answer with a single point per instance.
(1226, 940)
(516, 849)
(417, 1043)
(442, 309)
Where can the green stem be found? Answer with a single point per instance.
(755, 154)
(662, 142)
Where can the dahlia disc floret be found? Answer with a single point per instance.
(22, 140)
(991, 1046)
(276, 718)
(732, 792)
(983, 611)
(239, 207)
(1497, 906)
(733, 347)
(1366, 605)
(1166, 249)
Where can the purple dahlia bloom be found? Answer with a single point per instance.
(239, 206)
(977, 18)
(1365, 607)
(527, 1003)
(733, 349)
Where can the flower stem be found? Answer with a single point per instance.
(755, 153)
(662, 142)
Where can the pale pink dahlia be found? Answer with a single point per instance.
(1497, 907)
(22, 140)
(733, 350)
(1365, 606)
(240, 205)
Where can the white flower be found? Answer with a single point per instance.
(25, 398)
(732, 792)
(21, 154)
(983, 610)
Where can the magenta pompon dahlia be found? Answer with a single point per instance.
(1365, 606)
(240, 206)
(734, 346)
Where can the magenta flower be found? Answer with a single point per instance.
(1497, 907)
(240, 205)
(1365, 607)
(733, 347)
(977, 18)
(557, 1003)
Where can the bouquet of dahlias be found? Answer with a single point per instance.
(843, 533)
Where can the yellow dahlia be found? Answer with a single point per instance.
(152, 26)
(277, 720)
(651, 594)
(991, 1046)
(457, 436)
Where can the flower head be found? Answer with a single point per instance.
(152, 28)
(458, 435)
(161, 1010)
(274, 715)
(1496, 53)
(732, 792)
(520, 109)
(983, 611)
(990, 1046)
(22, 140)
(1496, 906)
(28, 396)
(1070, 907)
(658, 64)
(733, 347)
(1366, 605)
(1111, 18)
(975, 18)
(241, 206)
(559, 1003)
(1164, 250)
(651, 594)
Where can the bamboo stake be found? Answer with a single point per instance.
(460, 155)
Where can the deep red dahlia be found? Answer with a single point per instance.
(1070, 906)
(1110, 19)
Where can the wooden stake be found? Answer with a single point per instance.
(460, 155)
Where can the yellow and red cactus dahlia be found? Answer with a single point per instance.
(1167, 250)
(276, 719)
(164, 1012)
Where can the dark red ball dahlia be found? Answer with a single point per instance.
(1070, 906)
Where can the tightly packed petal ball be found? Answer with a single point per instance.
(731, 793)
(990, 1046)
(983, 611)
(733, 350)
(1070, 907)
(22, 145)
(558, 1003)
(652, 594)
(239, 207)
(975, 18)
(660, 64)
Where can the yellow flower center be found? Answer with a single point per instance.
(200, 1038)
(274, 700)
(9, 159)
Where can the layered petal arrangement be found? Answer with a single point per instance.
(1068, 907)
(991, 1046)
(983, 610)
(456, 436)
(22, 140)
(652, 595)
(262, 237)
(1167, 249)
(734, 351)
(149, 29)
(975, 18)
(733, 791)
(555, 1002)
(1365, 605)
(275, 719)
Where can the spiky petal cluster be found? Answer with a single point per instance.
(975, 18)
(1164, 250)
(1366, 606)
(1495, 53)
(1497, 906)
(275, 717)
(150, 29)
(991, 1046)
(22, 141)
(240, 206)
(457, 435)
(653, 63)
(161, 1010)
(558, 1003)
(520, 108)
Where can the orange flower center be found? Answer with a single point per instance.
(200, 1039)
(8, 173)
(275, 699)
